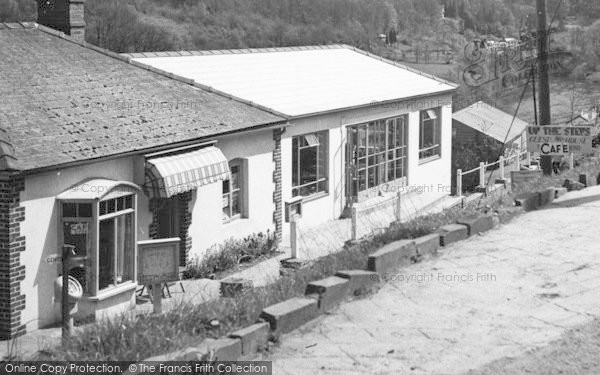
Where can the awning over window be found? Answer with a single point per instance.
(171, 175)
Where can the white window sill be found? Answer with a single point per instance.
(429, 159)
(111, 292)
(314, 197)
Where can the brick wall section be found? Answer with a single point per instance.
(185, 219)
(277, 214)
(12, 243)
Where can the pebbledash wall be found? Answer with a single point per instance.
(436, 173)
(29, 224)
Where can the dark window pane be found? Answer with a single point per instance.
(235, 203)
(235, 173)
(391, 171)
(295, 168)
(69, 210)
(362, 180)
(110, 206)
(129, 201)
(308, 165)
(103, 208)
(124, 249)
(84, 209)
(106, 276)
(120, 204)
(226, 206)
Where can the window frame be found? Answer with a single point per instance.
(93, 291)
(115, 216)
(297, 166)
(238, 163)
(434, 151)
(400, 149)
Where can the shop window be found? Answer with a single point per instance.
(309, 164)
(233, 193)
(76, 224)
(116, 252)
(378, 153)
(430, 134)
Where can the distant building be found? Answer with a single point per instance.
(585, 118)
(479, 120)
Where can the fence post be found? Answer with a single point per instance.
(354, 220)
(294, 235)
(501, 162)
(571, 161)
(398, 206)
(459, 182)
(529, 159)
(481, 174)
(519, 160)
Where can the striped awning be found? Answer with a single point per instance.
(167, 176)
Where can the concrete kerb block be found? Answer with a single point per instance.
(253, 338)
(546, 196)
(428, 244)
(573, 185)
(332, 291)
(477, 225)
(391, 256)
(360, 282)
(559, 192)
(288, 315)
(529, 201)
(453, 233)
(223, 349)
(234, 287)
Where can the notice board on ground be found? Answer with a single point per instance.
(559, 140)
(158, 261)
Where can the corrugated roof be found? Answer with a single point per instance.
(491, 121)
(62, 101)
(299, 81)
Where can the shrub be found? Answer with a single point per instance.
(230, 254)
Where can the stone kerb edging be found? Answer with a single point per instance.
(323, 295)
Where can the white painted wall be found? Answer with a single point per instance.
(330, 206)
(40, 229)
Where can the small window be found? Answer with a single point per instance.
(233, 193)
(309, 164)
(429, 134)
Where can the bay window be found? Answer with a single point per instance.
(429, 134)
(98, 217)
(309, 164)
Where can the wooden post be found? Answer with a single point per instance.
(519, 159)
(398, 206)
(294, 235)
(529, 159)
(157, 298)
(571, 160)
(67, 319)
(482, 174)
(501, 162)
(459, 182)
(354, 223)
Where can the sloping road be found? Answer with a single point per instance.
(499, 295)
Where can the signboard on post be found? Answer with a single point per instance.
(559, 140)
(158, 261)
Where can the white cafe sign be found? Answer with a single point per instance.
(559, 140)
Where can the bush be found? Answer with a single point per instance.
(230, 254)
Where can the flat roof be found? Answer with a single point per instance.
(300, 81)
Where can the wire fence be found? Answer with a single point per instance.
(311, 242)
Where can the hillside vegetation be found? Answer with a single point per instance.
(141, 25)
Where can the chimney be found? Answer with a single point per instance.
(63, 15)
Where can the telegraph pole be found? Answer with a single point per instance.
(543, 78)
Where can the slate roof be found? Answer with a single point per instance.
(300, 81)
(62, 101)
(491, 121)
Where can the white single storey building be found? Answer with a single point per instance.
(101, 151)
(357, 122)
